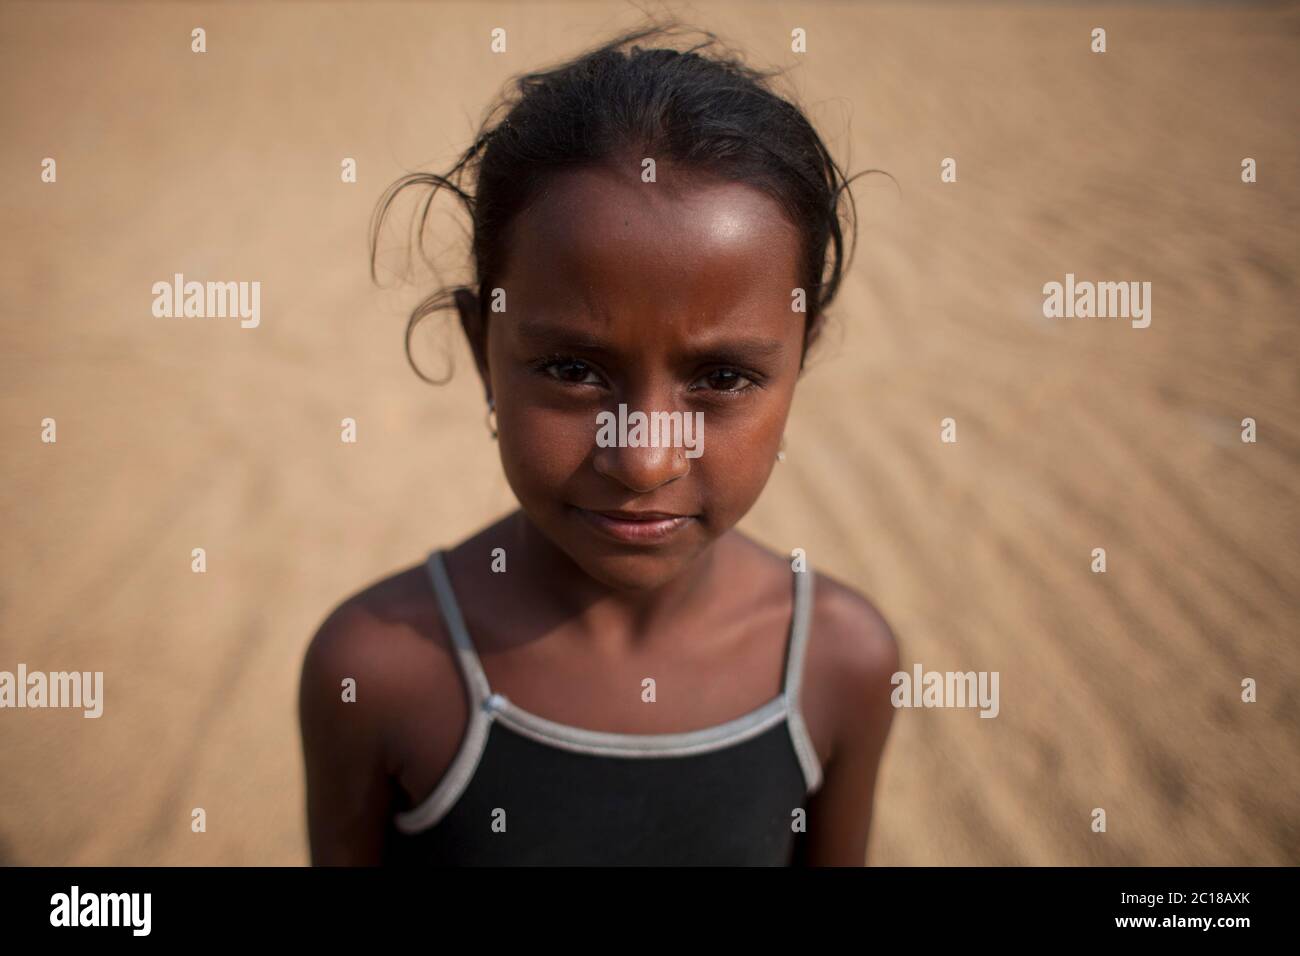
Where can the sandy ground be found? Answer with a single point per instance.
(1119, 691)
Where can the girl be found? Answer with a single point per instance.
(612, 674)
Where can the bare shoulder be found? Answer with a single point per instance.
(369, 628)
(853, 655)
(853, 632)
(386, 645)
(370, 665)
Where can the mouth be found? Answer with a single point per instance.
(636, 527)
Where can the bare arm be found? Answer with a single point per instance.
(348, 783)
(839, 817)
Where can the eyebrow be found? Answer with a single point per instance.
(563, 337)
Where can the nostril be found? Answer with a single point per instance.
(641, 470)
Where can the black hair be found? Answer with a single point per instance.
(708, 113)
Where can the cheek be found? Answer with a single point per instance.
(739, 452)
(541, 446)
(542, 449)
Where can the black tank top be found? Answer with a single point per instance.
(524, 790)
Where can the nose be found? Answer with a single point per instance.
(641, 467)
(641, 470)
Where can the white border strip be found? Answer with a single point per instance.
(602, 743)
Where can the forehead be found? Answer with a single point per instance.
(602, 239)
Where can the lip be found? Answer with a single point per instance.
(636, 527)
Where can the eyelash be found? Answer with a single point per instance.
(545, 365)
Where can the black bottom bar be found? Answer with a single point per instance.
(329, 906)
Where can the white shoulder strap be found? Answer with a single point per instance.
(470, 667)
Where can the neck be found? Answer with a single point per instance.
(612, 615)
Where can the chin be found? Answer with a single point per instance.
(631, 573)
(624, 567)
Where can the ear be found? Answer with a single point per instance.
(474, 324)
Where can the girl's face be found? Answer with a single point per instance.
(663, 297)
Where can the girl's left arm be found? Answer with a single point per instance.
(864, 657)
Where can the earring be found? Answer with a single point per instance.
(492, 417)
(780, 455)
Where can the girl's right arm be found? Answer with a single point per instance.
(349, 790)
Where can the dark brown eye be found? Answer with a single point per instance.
(726, 380)
(572, 372)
